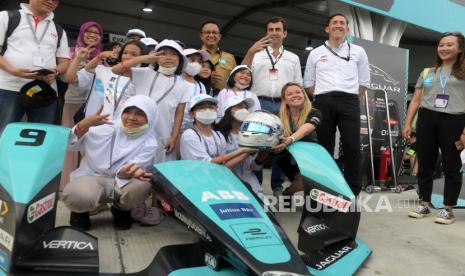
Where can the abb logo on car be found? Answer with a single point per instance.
(330, 200)
(222, 194)
(39, 208)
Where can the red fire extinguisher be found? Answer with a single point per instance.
(384, 163)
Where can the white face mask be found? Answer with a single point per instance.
(206, 117)
(193, 68)
(241, 114)
(241, 86)
(167, 71)
(134, 132)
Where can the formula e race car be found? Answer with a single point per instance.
(237, 236)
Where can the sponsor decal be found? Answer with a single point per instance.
(235, 210)
(333, 257)
(3, 210)
(255, 235)
(385, 132)
(190, 224)
(330, 200)
(316, 228)
(68, 245)
(375, 70)
(165, 205)
(6, 239)
(4, 261)
(211, 261)
(223, 194)
(41, 207)
(279, 273)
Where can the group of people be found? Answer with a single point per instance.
(146, 102)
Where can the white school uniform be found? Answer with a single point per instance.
(195, 88)
(107, 85)
(142, 78)
(245, 169)
(107, 148)
(195, 146)
(228, 92)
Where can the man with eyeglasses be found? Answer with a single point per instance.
(223, 62)
(35, 43)
(337, 75)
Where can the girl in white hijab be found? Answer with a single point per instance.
(115, 157)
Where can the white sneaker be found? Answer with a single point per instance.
(445, 217)
(420, 211)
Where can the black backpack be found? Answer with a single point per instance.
(14, 17)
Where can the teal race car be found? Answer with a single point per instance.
(237, 233)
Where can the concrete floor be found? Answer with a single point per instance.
(401, 245)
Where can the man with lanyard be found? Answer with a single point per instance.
(272, 67)
(223, 62)
(33, 45)
(336, 75)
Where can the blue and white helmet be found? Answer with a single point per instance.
(261, 129)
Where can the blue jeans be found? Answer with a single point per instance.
(277, 176)
(11, 112)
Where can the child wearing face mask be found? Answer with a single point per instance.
(193, 67)
(201, 142)
(164, 85)
(170, 92)
(236, 109)
(238, 84)
(113, 89)
(113, 168)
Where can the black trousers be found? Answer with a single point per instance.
(437, 130)
(342, 110)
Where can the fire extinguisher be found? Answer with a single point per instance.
(384, 163)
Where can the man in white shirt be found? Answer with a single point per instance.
(33, 45)
(272, 67)
(336, 75)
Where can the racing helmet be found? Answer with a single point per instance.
(261, 129)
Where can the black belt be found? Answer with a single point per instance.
(271, 99)
(337, 94)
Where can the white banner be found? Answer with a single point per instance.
(118, 38)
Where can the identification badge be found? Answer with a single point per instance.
(441, 101)
(38, 59)
(273, 74)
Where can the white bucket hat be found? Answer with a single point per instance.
(205, 55)
(148, 41)
(138, 32)
(235, 100)
(173, 45)
(200, 98)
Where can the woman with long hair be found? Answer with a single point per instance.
(440, 101)
(300, 121)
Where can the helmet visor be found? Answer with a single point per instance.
(256, 127)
